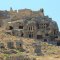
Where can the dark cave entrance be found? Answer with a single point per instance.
(30, 35)
(39, 36)
(20, 27)
(45, 40)
(10, 27)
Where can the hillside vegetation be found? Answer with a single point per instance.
(47, 50)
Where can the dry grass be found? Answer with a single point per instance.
(51, 52)
(50, 49)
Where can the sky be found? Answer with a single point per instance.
(51, 7)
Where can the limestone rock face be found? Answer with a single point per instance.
(30, 24)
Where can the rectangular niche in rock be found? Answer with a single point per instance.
(10, 44)
(18, 44)
(20, 27)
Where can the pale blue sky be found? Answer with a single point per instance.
(51, 7)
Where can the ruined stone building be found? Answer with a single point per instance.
(31, 24)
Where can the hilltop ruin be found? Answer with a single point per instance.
(30, 24)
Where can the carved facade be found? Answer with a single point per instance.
(37, 27)
(31, 24)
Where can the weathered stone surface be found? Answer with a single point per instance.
(33, 24)
(28, 23)
(10, 44)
